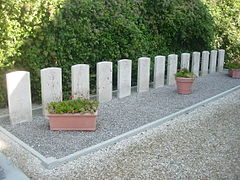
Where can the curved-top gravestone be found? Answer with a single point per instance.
(196, 63)
(159, 71)
(51, 86)
(171, 68)
(124, 77)
(143, 74)
(80, 81)
(185, 60)
(104, 81)
(19, 96)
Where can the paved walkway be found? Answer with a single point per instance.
(204, 144)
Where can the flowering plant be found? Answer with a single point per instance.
(185, 73)
(233, 64)
(78, 105)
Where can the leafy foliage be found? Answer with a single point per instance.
(185, 25)
(61, 33)
(185, 73)
(226, 15)
(233, 64)
(78, 105)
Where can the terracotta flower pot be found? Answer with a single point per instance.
(72, 121)
(234, 73)
(184, 85)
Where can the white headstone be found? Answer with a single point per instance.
(51, 86)
(104, 81)
(185, 60)
(221, 54)
(213, 61)
(204, 63)
(143, 74)
(19, 96)
(80, 81)
(171, 68)
(124, 78)
(159, 71)
(196, 63)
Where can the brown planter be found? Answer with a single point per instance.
(72, 121)
(234, 73)
(184, 85)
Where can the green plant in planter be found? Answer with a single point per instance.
(78, 105)
(233, 64)
(184, 80)
(185, 73)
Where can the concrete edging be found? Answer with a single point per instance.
(9, 170)
(51, 162)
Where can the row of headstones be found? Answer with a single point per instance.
(19, 93)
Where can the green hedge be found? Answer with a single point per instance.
(226, 15)
(61, 33)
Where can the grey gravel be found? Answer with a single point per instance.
(118, 116)
(203, 144)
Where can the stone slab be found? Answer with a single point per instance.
(124, 77)
(185, 60)
(104, 81)
(19, 96)
(51, 86)
(196, 63)
(213, 61)
(159, 71)
(80, 81)
(171, 68)
(143, 74)
(204, 63)
(221, 58)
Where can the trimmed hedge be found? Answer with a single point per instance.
(61, 33)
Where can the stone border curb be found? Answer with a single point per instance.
(52, 162)
(9, 170)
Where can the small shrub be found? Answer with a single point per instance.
(233, 64)
(185, 73)
(78, 105)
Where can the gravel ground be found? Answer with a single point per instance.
(118, 116)
(203, 144)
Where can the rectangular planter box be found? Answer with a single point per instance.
(85, 122)
(234, 73)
